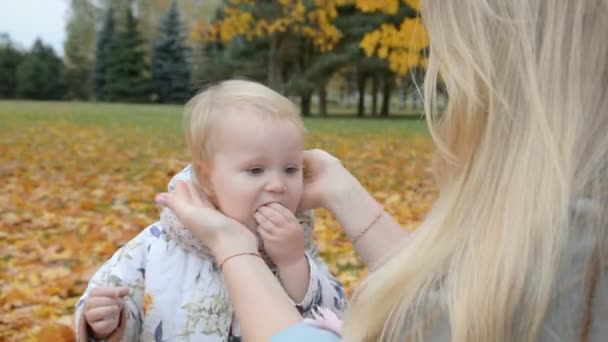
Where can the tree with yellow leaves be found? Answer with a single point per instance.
(279, 21)
(306, 41)
(402, 45)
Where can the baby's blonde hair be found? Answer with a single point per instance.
(205, 109)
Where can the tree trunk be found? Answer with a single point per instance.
(387, 87)
(375, 95)
(275, 72)
(323, 100)
(361, 80)
(305, 104)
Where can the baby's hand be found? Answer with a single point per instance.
(102, 310)
(282, 234)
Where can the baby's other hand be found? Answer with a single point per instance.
(282, 234)
(102, 310)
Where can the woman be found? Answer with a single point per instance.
(516, 246)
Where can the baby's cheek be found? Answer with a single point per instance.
(293, 207)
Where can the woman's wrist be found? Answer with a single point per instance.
(233, 240)
(343, 193)
(262, 297)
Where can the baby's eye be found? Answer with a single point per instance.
(292, 170)
(256, 170)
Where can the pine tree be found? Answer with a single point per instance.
(10, 57)
(104, 42)
(171, 72)
(127, 75)
(40, 74)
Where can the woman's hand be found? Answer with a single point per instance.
(223, 235)
(325, 180)
(260, 303)
(327, 184)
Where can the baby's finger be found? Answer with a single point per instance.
(102, 313)
(284, 212)
(97, 302)
(120, 292)
(272, 215)
(105, 327)
(99, 291)
(265, 234)
(263, 221)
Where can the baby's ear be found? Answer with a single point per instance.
(202, 172)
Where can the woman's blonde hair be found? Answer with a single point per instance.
(522, 153)
(203, 112)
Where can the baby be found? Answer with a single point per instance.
(246, 143)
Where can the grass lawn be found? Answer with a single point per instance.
(168, 117)
(78, 181)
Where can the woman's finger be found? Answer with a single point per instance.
(309, 161)
(162, 199)
(195, 195)
(182, 191)
(179, 201)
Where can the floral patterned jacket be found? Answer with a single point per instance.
(176, 292)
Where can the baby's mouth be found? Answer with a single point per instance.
(267, 204)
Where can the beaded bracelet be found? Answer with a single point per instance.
(238, 254)
(369, 226)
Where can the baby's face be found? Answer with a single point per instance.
(256, 161)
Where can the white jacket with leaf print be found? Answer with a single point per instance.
(176, 292)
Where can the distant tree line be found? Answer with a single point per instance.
(299, 48)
